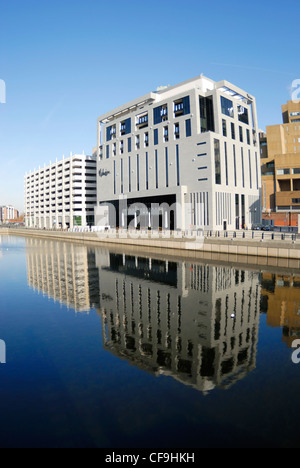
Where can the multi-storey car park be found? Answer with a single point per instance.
(63, 194)
(192, 147)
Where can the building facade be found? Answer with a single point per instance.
(8, 213)
(62, 195)
(193, 147)
(280, 162)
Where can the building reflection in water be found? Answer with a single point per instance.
(176, 318)
(67, 273)
(281, 302)
(195, 322)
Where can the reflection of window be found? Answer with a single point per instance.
(243, 115)
(207, 114)
(227, 107)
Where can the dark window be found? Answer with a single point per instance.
(234, 165)
(167, 168)
(217, 162)
(224, 128)
(188, 127)
(178, 165)
(243, 167)
(241, 134)
(243, 115)
(207, 114)
(107, 152)
(126, 127)
(226, 163)
(156, 136)
(232, 131)
(129, 145)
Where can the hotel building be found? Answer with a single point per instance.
(280, 163)
(62, 195)
(193, 146)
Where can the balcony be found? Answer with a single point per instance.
(142, 121)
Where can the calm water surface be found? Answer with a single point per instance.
(112, 350)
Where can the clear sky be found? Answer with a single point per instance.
(65, 62)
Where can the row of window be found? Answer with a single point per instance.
(228, 110)
(143, 141)
(248, 172)
(233, 133)
(135, 185)
(288, 171)
(160, 114)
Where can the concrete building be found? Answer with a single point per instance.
(8, 214)
(193, 147)
(280, 163)
(63, 194)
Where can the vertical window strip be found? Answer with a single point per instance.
(138, 172)
(147, 172)
(250, 169)
(243, 167)
(234, 164)
(226, 163)
(129, 172)
(156, 168)
(167, 168)
(178, 165)
(115, 188)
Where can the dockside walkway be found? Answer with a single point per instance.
(192, 243)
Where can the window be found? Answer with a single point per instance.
(121, 147)
(243, 167)
(129, 174)
(224, 127)
(156, 136)
(217, 162)
(160, 114)
(137, 142)
(138, 172)
(226, 163)
(107, 152)
(250, 169)
(167, 168)
(283, 171)
(241, 134)
(178, 166)
(188, 128)
(122, 177)
(227, 107)
(182, 106)
(243, 115)
(125, 127)
(156, 168)
(177, 131)
(142, 120)
(111, 132)
(146, 140)
(234, 164)
(232, 131)
(248, 137)
(296, 200)
(166, 134)
(207, 114)
(147, 172)
(114, 149)
(296, 170)
(129, 145)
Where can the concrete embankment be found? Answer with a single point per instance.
(271, 246)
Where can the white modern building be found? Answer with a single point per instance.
(183, 157)
(63, 194)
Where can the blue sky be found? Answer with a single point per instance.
(66, 62)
